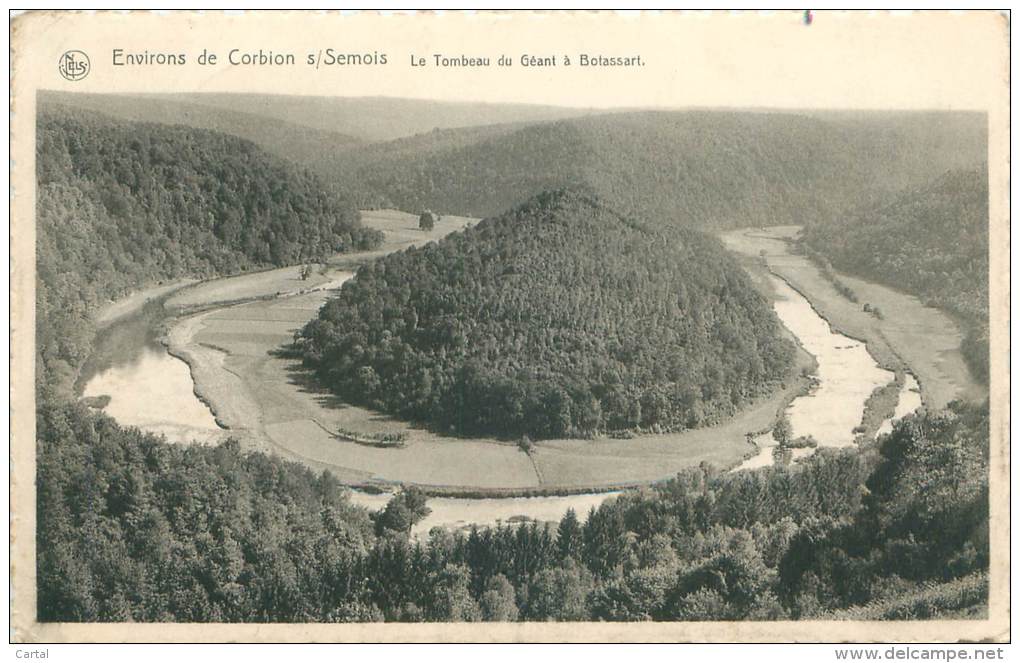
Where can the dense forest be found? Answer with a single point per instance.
(132, 528)
(931, 241)
(701, 169)
(120, 205)
(559, 318)
(705, 169)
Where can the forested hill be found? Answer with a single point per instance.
(123, 204)
(931, 241)
(559, 318)
(705, 169)
(300, 143)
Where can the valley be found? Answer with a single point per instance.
(656, 376)
(230, 332)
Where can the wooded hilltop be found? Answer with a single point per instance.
(560, 318)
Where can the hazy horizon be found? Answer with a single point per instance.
(525, 104)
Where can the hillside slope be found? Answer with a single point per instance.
(931, 241)
(559, 318)
(705, 169)
(123, 204)
(302, 144)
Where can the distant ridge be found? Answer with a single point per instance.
(706, 169)
(280, 136)
(363, 118)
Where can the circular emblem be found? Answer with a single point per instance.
(74, 65)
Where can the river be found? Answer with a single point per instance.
(154, 391)
(846, 376)
(146, 386)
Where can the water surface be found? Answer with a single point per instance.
(847, 374)
(147, 387)
(455, 513)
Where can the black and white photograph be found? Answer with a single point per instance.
(316, 351)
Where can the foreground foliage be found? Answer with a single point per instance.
(560, 318)
(132, 528)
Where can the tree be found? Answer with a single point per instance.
(427, 221)
(569, 539)
(782, 455)
(736, 574)
(404, 510)
(451, 596)
(782, 432)
(498, 602)
(559, 594)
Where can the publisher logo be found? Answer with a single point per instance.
(74, 65)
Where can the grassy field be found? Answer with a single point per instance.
(400, 231)
(134, 302)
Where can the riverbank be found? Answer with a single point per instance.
(906, 335)
(133, 304)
